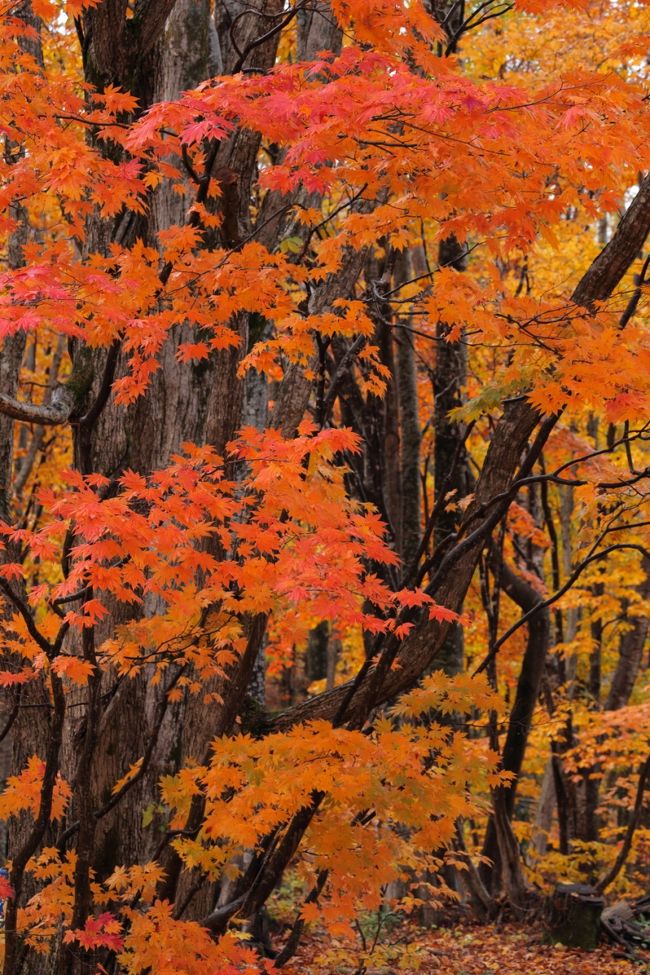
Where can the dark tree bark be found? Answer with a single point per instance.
(450, 454)
(521, 714)
(575, 911)
(630, 653)
(408, 266)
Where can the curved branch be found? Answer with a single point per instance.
(23, 609)
(258, 41)
(55, 413)
(613, 872)
(579, 569)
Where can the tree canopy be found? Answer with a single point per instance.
(324, 425)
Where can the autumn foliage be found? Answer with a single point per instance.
(324, 389)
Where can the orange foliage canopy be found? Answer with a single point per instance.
(163, 575)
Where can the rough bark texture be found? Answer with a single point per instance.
(410, 449)
(410, 432)
(626, 243)
(450, 455)
(116, 724)
(14, 746)
(184, 402)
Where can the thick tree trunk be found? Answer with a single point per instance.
(409, 266)
(24, 712)
(185, 402)
(450, 455)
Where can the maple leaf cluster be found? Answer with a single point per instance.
(223, 397)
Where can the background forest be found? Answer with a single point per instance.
(324, 460)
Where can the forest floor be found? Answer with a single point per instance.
(461, 950)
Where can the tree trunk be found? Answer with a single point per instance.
(630, 654)
(409, 266)
(521, 715)
(450, 454)
(575, 916)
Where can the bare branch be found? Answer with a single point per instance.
(55, 413)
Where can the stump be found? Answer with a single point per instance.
(575, 911)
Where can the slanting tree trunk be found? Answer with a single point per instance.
(630, 653)
(588, 790)
(512, 432)
(521, 715)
